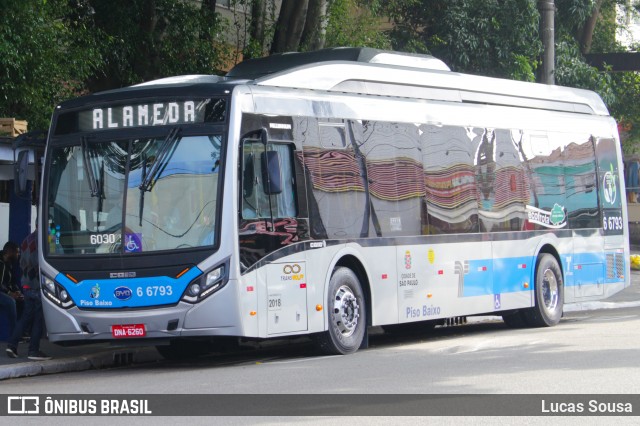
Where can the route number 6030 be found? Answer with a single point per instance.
(96, 239)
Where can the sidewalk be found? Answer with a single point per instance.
(102, 355)
(75, 358)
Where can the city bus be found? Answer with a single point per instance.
(322, 194)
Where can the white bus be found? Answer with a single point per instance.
(323, 193)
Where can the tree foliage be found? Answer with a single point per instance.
(54, 49)
(46, 54)
(489, 37)
(141, 40)
(351, 24)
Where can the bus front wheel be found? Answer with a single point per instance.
(346, 310)
(549, 291)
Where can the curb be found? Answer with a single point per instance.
(106, 359)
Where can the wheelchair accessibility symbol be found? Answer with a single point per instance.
(496, 301)
(133, 243)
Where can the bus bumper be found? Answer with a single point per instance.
(213, 316)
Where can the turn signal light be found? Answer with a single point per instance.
(253, 313)
(318, 308)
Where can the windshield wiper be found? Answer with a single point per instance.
(91, 177)
(162, 157)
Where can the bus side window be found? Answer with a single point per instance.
(250, 180)
(255, 200)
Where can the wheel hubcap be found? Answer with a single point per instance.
(346, 311)
(550, 290)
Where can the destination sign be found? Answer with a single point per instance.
(157, 114)
(134, 115)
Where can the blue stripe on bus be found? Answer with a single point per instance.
(128, 292)
(484, 277)
(508, 275)
(511, 274)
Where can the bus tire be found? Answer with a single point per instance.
(346, 310)
(549, 293)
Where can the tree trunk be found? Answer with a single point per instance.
(258, 15)
(315, 26)
(208, 12)
(256, 29)
(209, 5)
(289, 26)
(586, 35)
(146, 64)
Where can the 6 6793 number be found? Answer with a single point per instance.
(155, 290)
(612, 223)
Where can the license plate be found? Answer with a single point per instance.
(128, 330)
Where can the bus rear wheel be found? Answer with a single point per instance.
(346, 310)
(549, 291)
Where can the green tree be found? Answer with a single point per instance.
(47, 52)
(306, 25)
(141, 40)
(352, 23)
(489, 37)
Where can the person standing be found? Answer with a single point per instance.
(32, 315)
(9, 291)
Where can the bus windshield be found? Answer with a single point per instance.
(133, 195)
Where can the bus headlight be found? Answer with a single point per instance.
(207, 284)
(48, 284)
(194, 290)
(56, 293)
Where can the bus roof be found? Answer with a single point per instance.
(383, 73)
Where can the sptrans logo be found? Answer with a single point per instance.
(609, 189)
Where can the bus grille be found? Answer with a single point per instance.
(615, 265)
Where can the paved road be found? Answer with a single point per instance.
(594, 352)
(589, 351)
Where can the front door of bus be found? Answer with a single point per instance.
(286, 297)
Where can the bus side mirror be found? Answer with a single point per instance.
(271, 180)
(20, 173)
